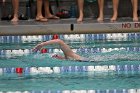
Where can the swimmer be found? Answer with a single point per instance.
(68, 53)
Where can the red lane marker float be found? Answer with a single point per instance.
(43, 50)
(55, 36)
(19, 70)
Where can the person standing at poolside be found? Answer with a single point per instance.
(80, 6)
(15, 4)
(101, 10)
(115, 10)
(48, 15)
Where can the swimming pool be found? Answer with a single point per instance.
(116, 68)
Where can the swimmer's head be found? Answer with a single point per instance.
(44, 50)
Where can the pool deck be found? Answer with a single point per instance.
(68, 26)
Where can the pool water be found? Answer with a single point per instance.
(105, 52)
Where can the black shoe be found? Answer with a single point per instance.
(9, 17)
(23, 17)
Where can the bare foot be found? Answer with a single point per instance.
(79, 19)
(15, 19)
(41, 19)
(52, 17)
(135, 19)
(114, 18)
(100, 19)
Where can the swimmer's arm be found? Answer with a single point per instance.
(50, 42)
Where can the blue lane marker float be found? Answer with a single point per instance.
(85, 37)
(21, 52)
(79, 91)
(118, 69)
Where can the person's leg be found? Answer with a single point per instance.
(47, 11)
(15, 8)
(115, 10)
(135, 9)
(39, 16)
(101, 10)
(80, 6)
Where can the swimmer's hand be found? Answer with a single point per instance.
(36, 48)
